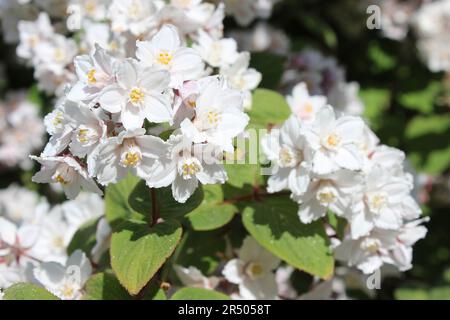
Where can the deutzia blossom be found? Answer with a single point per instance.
(165, 51)
(334, 141)
(242, 78)
(32, 33)
(252, 271)
(331, 192)
(192, 277)
(185, 165)
(138, 95)
(65, 281)
(381, 246)
(217, 53)
(304, 106)
(66, 171)
(131, 151)
(219, 116)
(291, 158)
(381, 203)
(95, 73)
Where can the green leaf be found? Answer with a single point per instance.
(275, 225)
(168, 208)
(201, 250)
(28, 291)
(422, 100)
(137, 251)
(269, 108)
(271, 67)
(376, 101)
(154, 292)
(117, 206)
(198, 294)
(105, 286)
(84, 238)
(212, 213)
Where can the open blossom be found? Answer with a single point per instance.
(333, 192)
(95, 72)
(217, 53)
(184, 165)
(66, 171)
(130, 151)
(192, 277)
(136, 16)
(381, 203)
(252, 271)
(17, 243)
(32, 33)
(382, 246)
(64, 281)
(291, 158)
(243, 78)
(165, 51)
(334, 141)
(219, 116)
(304, 106)
(138, 95)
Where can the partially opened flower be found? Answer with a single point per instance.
(67, 172)
(304, 106)
(131, 151)
(65, 281)
(166, 51)
(217, 53)
(252, 270)
(192, 277)
(185, 165)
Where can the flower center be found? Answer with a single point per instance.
(254, 270)
(332, 141)
(58, 119)
(82, 135)
(90, 7)
(213, 117)
(91, 76)
(377, 202)
(164, 58)
(136, 96)
(60, 179)
(370, 245)
(131, 159)
(59, 54)
(189, 167)
(67, 291)
(287, 158)
(58, 242)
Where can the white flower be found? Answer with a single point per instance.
(243, 78)
(217, 53)
(165, 51)
(21, 205)
(192, 277)
(32, 33)
(184, 165)
(138, 95)
(252, 271)
(102, 239)
(370, 252)
(131, 151)
(334, 141)
(136, 16)
(17, 244)
(345, 99)
(243, 11)
(196, 12)
(381, 203)
(65, 281)
(92, 9)
(304, 106)
(334, 192)
(291, 158)
(95, 72)
(66, 171)
(218, 116)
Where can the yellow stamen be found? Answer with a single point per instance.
(61, 180)
(131, 159)
(164, 58)
(91, 76)
(136, 95)
(82, 135)
(213, 117)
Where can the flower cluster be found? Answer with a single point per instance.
(323, 76)
(246, 11)
(34, 238)
(16, 140)
(332, 162)
(97, 129)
